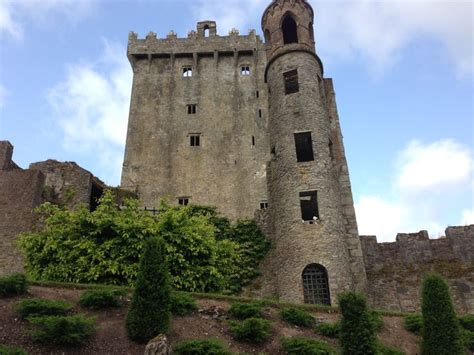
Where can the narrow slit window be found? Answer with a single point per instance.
(260, 113)
(195, 140)
(187, 72)
(253, 140)
(192, 109)
(245, 70)
(257, 94)
(291, 82)
(304, 147)
(263, 205)
(331, 150)
(183, 201)
(309, 206)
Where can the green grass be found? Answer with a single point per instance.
(13, 285)
(252, 330)
(9, 350)
(330, 330)
(306, 346)
(201, 347)
(182, 304)
(297, 316)
(101, 298)
(246, 310)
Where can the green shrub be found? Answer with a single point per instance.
(246, 310)
(413, 323)
(467, 338)
(467, 322)
(388, 350)
(201, 347)
(376, 320)
(206, 253)
(330, 330)
(13, 285)
(41, 307)
(254, 330)
(182, 304)
(306, 346)
(149, 313)
(297, 316)
(8, 350)
(63, 330)
(357, 334)
(440, 325)
(100, 299)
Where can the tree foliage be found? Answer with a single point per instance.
(440, 325)
(205, 251)
(357, 334)
(150, 311)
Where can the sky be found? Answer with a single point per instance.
(403, 73)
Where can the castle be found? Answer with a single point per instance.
(251, 127)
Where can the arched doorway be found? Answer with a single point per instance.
(289, 29)
(316, 285)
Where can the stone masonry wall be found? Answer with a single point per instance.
(395, 270)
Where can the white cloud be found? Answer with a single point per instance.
(92, 105)
(380, 31)
(428, 181)
(467, 217)
(426, 167)
(14, 14)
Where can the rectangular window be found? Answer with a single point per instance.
(192, 109)
(263, 205)
(187, 72)
(183, 201)
(195, 140)
(304, 147)
(309, 206)
(291, 82)
(245, 70)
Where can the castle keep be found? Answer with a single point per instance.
(244, 125)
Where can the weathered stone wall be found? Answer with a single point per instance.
(228, 169)
(20, 192)
(395, 270)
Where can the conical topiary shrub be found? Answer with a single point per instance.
(149, 313)
(357, 334)
(440, 326)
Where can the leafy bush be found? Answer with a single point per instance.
(63, 330)
(376, 320)
(149, 313)
(100, 299)
(206, 253)
(254, 330)
(246, 310)
(357, 334)
(330, 330)
(201, 347)
(467, 339)
(41, 307)
(297, 316)
(388, 350)
(413, 323)
(306, 346)
(467, 322)
(182, 304)
(13, 285)
(440, 326)
(8, 350)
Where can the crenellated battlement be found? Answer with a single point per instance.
(196, 42)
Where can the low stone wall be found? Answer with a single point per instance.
(395, 270)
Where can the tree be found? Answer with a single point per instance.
(149, 313)
(441, 334)
(357, 334)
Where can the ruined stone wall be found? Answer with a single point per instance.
(395, 270)
(228, 169)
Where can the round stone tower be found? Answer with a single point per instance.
(311, 257)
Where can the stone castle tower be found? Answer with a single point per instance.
(246, 126)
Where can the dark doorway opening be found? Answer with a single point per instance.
(316, 285)
(290, 30)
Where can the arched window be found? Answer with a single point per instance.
(206, 31)
(315, 285)
(290, 30)
(267, 36)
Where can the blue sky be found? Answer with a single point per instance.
(403, 73)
